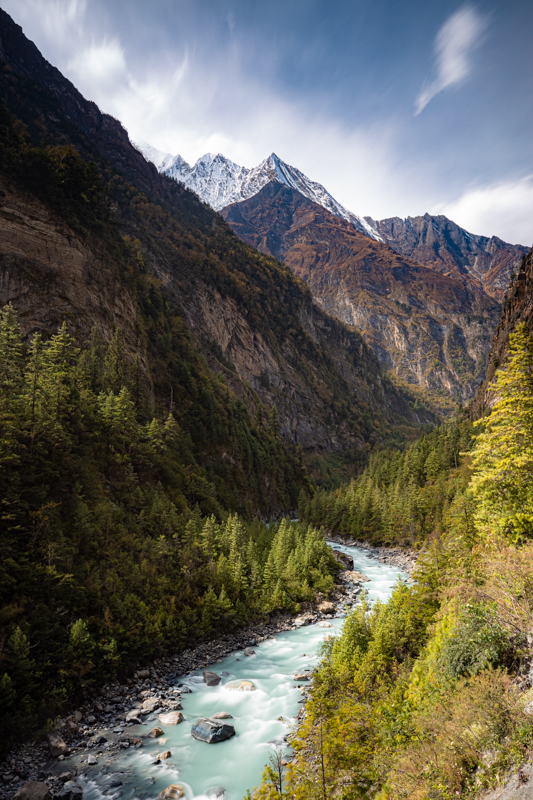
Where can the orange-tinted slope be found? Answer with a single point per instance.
(432, 329)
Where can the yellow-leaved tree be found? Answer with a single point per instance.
(502, 481)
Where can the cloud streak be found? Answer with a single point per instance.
(503, 209)
(454, 45)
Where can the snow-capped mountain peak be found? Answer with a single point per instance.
(220, 182)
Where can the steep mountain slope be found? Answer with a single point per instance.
(439, 243)
(432, 329)
(220, 182)
(517, 308)
(254, 322)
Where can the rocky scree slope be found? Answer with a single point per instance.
(254, 322)
(439, 243)
(431, 329)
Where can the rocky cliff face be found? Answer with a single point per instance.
(439, 243)
(253, 320)
(517, 308)
(50, 274)
(432, 329)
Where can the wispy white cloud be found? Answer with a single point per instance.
(454, 45)
(500, 209)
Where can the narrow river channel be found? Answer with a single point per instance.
(261, 718)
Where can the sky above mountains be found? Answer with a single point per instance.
(398, 108)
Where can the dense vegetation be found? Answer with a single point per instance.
(426, 696)
(402, 496)
(105, 558)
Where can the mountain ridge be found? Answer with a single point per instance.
(431, 329)
(220, 182)
(440, 243)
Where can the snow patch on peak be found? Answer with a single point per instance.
(220, 182)
(157, 157)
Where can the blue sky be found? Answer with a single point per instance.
(398, 108)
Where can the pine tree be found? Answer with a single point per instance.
(502, 483)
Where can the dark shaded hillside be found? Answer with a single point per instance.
(254, 322)
(517, 308)
(439, 243)
(432, 329)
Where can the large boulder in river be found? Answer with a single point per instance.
(326, 607)
(212, 730)
(211, 678)
(57, 745)
(33, 790)
(240, 686)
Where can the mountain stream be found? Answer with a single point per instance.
(262, 718)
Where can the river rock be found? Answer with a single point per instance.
(301, 676)
(172, 718)
(324, 624)
(135, 715)
(217, 792)
(211, 678)
(150, 704)
(56, 745)
(326, 607)
(212, 730)
(155, 732)
(357, 577)
(33, 790)
(222, 715)
(164, 755)
(71, 791)
(172, 792)
(92, 760)
(241, 686)
(143, 673)
(91, 720)
(174, 705)
(302, 620)
(249, 651)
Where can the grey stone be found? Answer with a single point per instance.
(135, 715)
(249, 651)
(56, 744)
(212, 730)
(71, 789)
(91, 720)
(92, 760)
(222, 715)
(33, 790)
(211, 678)
(78, 716)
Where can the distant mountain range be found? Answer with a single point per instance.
(435, 241)
(424, 292)
(220, 182)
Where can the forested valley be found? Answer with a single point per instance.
(428, 695)
(182, 428)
